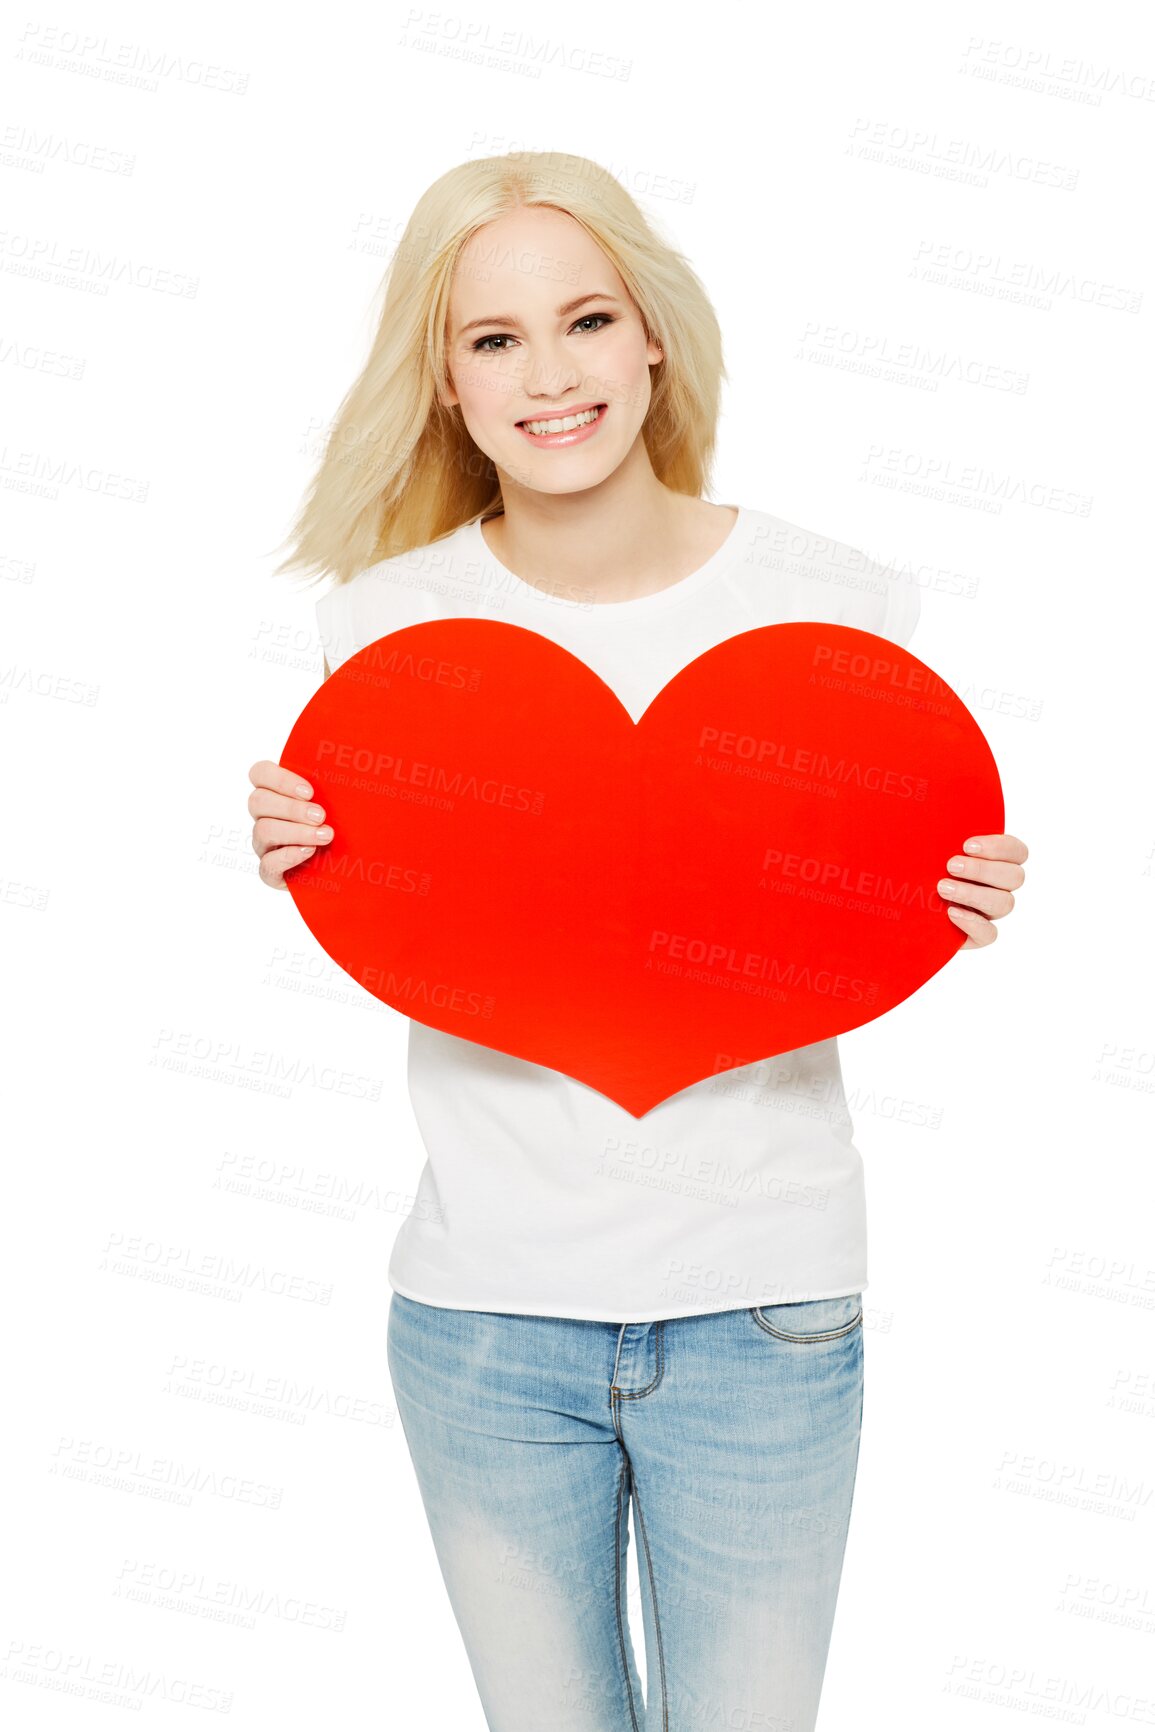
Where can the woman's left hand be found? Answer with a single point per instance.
(991, 867)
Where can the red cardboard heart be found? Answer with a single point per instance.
(749, 868)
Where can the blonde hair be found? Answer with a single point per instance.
(400, 469)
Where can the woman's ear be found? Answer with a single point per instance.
(446, 396)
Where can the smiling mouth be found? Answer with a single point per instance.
(563, 423)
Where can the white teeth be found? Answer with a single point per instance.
(566, 425)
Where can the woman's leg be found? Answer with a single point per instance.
(742, 1431)
(525, 1485)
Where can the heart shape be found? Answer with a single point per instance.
(749, 868)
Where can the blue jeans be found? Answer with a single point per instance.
(735, 1434)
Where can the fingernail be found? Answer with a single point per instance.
(304, 792)
(973, 846)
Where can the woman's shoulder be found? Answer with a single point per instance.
(404, 589)
(835, 575)
(401, 567)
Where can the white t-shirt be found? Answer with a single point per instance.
(539, 1194)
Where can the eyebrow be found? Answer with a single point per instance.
(508, 319)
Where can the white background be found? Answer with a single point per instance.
(963, 191)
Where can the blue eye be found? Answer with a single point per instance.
(479, 348)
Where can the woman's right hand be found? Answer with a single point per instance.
(289, 826)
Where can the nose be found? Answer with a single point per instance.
(549, 373)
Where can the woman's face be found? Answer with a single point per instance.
(520, 348)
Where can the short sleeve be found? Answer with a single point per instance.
(335, 625)
(903, 607)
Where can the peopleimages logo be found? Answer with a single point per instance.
(834, 875)
(729, 751)
(374, 660)
(386, 983)
(878, 669)
(724, 961)
(389, 774)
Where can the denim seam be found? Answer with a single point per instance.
(619, 1542)
(654, 1599)
(781, 1335)
(660, 1362)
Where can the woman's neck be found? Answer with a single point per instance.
(612, 550)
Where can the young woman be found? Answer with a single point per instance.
(591, 1309)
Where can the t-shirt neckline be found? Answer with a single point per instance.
(659, 598)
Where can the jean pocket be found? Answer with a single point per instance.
(810, 1319)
